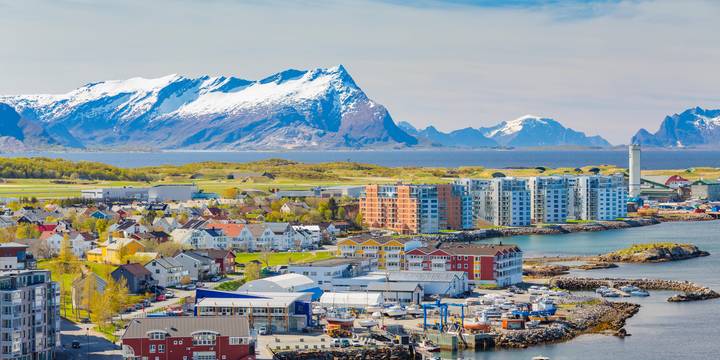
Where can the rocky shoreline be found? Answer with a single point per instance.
(653, 253)
(689, 290)
(391, 353)
(603, 317)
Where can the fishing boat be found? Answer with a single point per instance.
(340, 317)
(476, 324)
(395, 311)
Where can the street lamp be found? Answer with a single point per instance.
(87, 343)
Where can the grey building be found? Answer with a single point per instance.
(706, 190)
(29, 315)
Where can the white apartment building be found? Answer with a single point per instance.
(598, 197)
(501, 202)
(549, 199)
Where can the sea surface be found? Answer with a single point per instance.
(661, 330)
(651, 159)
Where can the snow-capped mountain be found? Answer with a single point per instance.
(533, 131)
(692, 127)
(320, 108)
(463, 138)
(19, 134)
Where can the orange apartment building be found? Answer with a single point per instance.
(412, 209)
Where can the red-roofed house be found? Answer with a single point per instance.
(677, 181)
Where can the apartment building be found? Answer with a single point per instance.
(598, 197)
(483, 264)
(381, 253)
(501, 202)
(549, 199)
(29, 315)
(412, 209)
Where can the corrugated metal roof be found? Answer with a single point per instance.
(186, 326)
(425, 276)
(351, 299)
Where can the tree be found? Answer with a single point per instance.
(230, 193)
(333, 207)
(7, 235)
(117, 293)
(185, 280)
(89, 288)
(341, 213)
(101, 225)
(252, 271)
(359, 219)
(66, 255)
(27, 231)
(101, 310)
(168, 248)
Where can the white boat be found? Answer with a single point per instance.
(318, 311)
(428, 346)
(640, 293)
(629, 288)
(506, 305)
(414, 310)
(367, 323)
(610, 294)
(395, 311)
(602, 289)
(376, 315)
(491, 312)
(540, 358)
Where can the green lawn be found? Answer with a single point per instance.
(284, 258)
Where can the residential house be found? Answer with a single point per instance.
(201, 238)
(166, 271)
(166, 224)
(114, 250)
(14, 256)
(198, 266)
(126, 228)
(239, 236)
(80, 242)
(139, 279)
(294, 208)
(224, 258)
(263, 236)
(78, 287)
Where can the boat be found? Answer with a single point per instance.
(395, 311)
(367, 323)
(540, 358)
(629, 288)
(318, 311)
(428, 346)
(476, 324)
(610, 294)
(490, 312)
(602, 289)
(414, 310)
(340, 317)
(376, 315)
(640, 293)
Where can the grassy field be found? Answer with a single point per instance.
(213, 176)
(284, 258)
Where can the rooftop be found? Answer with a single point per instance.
(236, 326)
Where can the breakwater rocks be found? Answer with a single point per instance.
(651, 253)
(596, 317)
(547, 270)
(467, 236)
(690, 291)
(392, 353)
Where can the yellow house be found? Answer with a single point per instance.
(115, 251)
(383, 253)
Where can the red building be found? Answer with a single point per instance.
(483, 264)
(189, 338)
(224, 258)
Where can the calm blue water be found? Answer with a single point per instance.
(652, 159)
(661, 330)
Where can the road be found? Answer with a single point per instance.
(92, 345)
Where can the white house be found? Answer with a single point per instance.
(198, 266)
(263, 237)
(128, 227)
(201, 238)
(80, 243)
(307, 235)
(166, 271)
(166, 224)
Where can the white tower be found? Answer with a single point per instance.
(634, 190)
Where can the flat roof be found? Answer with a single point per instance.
(329, 262)
(246, 302)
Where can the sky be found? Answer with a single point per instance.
(602, 67)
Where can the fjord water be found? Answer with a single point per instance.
(499, 159)
(661, 330)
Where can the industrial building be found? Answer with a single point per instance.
(157, 193)
(279, 311)
(324, 271)
(286, 283)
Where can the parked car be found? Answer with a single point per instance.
(342, 343)
(75, 344)
(264, 331)
(169, 294)
(138, 306)
(146, 303)
(160, 297)
(85, 320)
(190, 287)
(216, 279)
(356, 343)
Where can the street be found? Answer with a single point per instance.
(92, 345)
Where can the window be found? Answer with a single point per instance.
(204, 338)
(161, 348)
(235, 341)
(152, 349)
(156, 335)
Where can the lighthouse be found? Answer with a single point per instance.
(634, 158)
